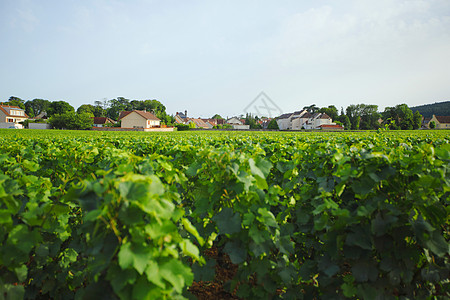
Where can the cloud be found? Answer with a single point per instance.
(377, 29)
(25, 19)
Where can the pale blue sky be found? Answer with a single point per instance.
(216, 56)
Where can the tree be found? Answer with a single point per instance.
(86, 108)
(252, 121)
(357, 122)
(72, 120)
(432, 124)
(59, 107)
(15, 101)
(273, 124)
(115, 106)
(345, 122)
(417, 120)
(311, 108)
(218, 117)
(331, 111)
(401, 115)
(99, 111)
(363, 116)
(38, 106)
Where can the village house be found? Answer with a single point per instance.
(138, 119)
(181, 118)
(237, 123)
(441, 122)
(198, 123)
(102, 121)
(304, 120)
(11, 116)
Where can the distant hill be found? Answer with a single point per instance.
(438, 109)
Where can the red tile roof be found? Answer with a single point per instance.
(145, 114)
(199, 123)
(102, 120)
(6, 109)
(443, 119)
(123, 114)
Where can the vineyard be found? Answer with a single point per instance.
(224, 215)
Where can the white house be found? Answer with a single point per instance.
(303, 120)
(234, 121)
(198, 123)
(11, 116)
(138, 119)
(237, 123)
(181, 118)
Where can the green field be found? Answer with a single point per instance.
(130, 215)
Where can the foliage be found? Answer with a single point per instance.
(438, 109)
(252, 121)
(311, 108)
(86, 108)
(223, 126)
(217, 116)
(331, 111)
(181, 127)
(432, 124)
(402, 116)
(363, 116)
(273, 124)
(344, 119)
(417, 120)
(72, 120)
(37, 106)
(115, 106)
(15, 101)
(59, 108)
(303, 216)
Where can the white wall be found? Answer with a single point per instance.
(39, 126)
(9, 125)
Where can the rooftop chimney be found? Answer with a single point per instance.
(185, 113)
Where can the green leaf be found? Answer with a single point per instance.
(144, 290)
(176, 274)
(437, 244)
(227, 222)
(363, 271)
(348, 289)
(236, 251)
(205, 272)
(153, 274)
(192, 230)
(254, 169)
(11, 292)
(364, 186)
(23, 239)
(308, 269)
(360, 238)
(21, 273)
(189, 249)
(381, 224)
(267, 217)
(136, 256)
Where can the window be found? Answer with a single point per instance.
(10, 120)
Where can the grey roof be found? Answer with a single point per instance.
(285, 116)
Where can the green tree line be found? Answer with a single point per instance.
(367, 116)
(63, 115)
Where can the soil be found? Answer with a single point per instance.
(225, 271)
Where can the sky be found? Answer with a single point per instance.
(211, 57)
